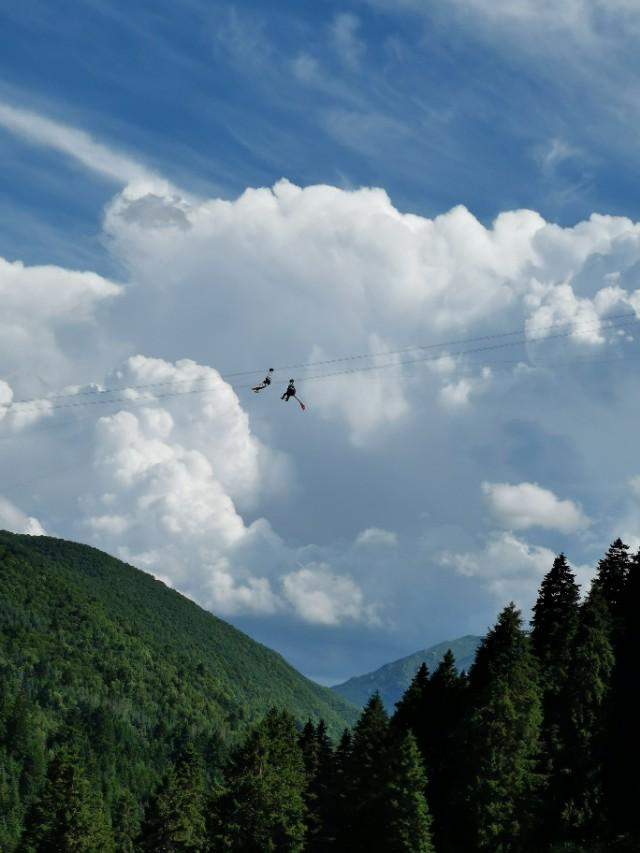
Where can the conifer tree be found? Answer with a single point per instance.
(343, 753)
(11, 812)
(175, 821)
(309, 747)
(411, 709)
(610, 581)
(262, 808)
(325, 789)
(367, 776)
(587, 694)
(622, 780)
(125, 817)
(342, 792)
(307, 738)
(326, 761)
(555, 618)
(407, 824)
(554, 625)
(442, 752)
(432, 710)
(320, 796)
(69, 816)
(23, 764)
(503, 729)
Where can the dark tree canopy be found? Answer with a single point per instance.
(69, 814)
(622, 779)
(176, 815)
(555, 618)
(503, 730)
(122, 730)
(262, 807)
(587, 694)
(366, 775)
(611, 580)
(410, 708)
(407, 823)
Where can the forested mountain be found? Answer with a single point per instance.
(392, 679)
(94, 646)
(118, 737)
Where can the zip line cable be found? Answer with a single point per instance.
(619, 321)
(350, 371)
(438, 357)
(11, 487)
(116, 400)
(368, 369)
(501, 364)
(630, 315)
(615, 321)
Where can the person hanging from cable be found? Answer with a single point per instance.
(291, 392)
(265, 382)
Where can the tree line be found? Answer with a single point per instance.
(537, 748)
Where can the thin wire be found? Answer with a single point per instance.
(350, 371)
(150, 401)
(11, 487)
(434, 358)
(611, 321)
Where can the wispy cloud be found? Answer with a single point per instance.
(77, 144)
(347, 43)
(584, 20)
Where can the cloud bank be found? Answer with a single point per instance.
(264, 513)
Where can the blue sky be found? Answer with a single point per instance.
(436, 107)
(134, 140)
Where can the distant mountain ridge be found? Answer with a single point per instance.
(392, 679)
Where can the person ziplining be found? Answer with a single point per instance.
(265, 382)
(291, 392)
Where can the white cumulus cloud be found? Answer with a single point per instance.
(510, 567)
(377, 537)
(6, 396)
(43, 308)
(332, 272)
(240, 595)
(173, 478)
(525, 505)
(457, 394)
(13, 519)
(324, 598)
(190, 486)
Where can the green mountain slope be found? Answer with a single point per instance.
(108, 670)
(392, 679)
(81, 630)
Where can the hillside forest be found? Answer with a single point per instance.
(536, 748)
